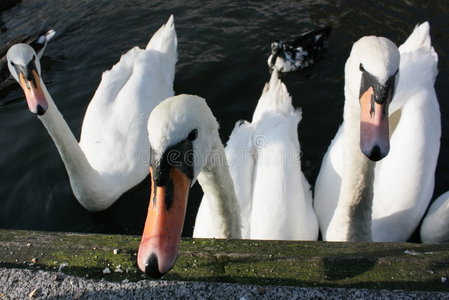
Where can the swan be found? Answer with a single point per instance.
(435, 225)
(355, 197)
(264, 159)
(37, 40)
(185, 146)
(300, 53)
(110, 157)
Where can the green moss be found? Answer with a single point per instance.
(363, 265)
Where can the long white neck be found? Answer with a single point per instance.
(352, 217)
(218, 188)
(85, 181)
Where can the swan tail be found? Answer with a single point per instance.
(418, 57)
(165, 40)
(275, 97)
(420, 38)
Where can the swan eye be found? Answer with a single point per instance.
(361, 68)
(13, 64)
(192, 135)
(34, 58)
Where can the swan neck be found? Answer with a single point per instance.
(81, 174)
(354, 208)
(218, 187)
(59, 130)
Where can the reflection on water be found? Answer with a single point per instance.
(223, 49)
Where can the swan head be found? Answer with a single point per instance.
(371, 72)
(25, 68)
(182, 131)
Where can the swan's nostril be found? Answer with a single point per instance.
(152, 267)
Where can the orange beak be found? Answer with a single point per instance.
(37, 102)
(374, 132)
(163, 227)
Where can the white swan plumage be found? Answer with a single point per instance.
(259, 172)
(435, 225)
(264, 160)
(403, 180)
(112, 155)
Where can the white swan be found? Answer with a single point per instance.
(399, 187)
(110, 157)
(185, 145)
(267, 175)
(435, 225)
(264, 160)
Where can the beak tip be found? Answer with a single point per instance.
(376, 154)
(152, 267)
(40, 111)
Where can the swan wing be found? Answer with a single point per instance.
(114, 135)
(281, 200)
(435, 227)
(404, 180)
(239, 155)
(328, 182)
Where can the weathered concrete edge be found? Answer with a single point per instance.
(353, 265)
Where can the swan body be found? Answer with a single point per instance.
(399, 186)
(300, 53)
(264, 160)
(112, 155)
(37, 41)
(435, 225)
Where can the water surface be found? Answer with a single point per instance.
(223, 47)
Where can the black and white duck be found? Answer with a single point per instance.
(300, 53)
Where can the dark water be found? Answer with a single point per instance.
(223, 47)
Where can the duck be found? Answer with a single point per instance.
(111, 156)
(256, 192)
(378, 175)
(38, 41)
(299, 53)
(435, 225)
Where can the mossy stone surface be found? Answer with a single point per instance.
(361, 265)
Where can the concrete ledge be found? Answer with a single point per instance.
(356, 265)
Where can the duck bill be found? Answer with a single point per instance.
(34, 94)
(374, 131)
(163, 227)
